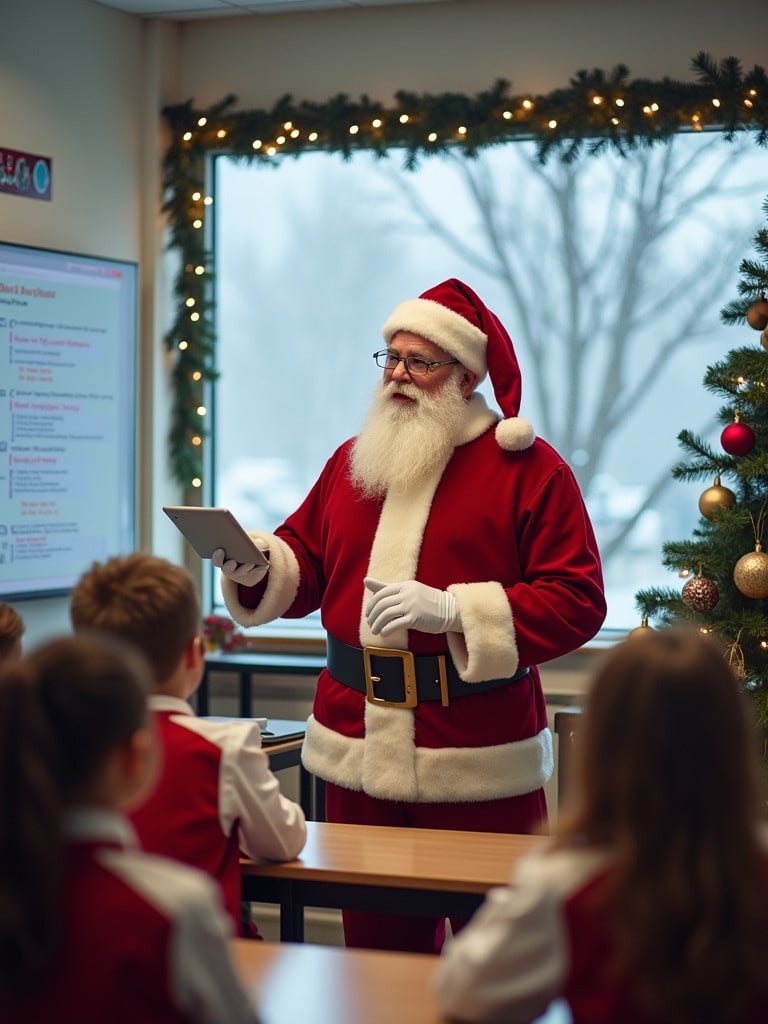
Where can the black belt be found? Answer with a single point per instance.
(400, 678)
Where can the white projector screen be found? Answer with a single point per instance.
(68, 346)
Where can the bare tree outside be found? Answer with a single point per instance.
(609, 273)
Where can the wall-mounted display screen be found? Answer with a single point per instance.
(68, 347)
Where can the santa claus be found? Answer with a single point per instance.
(450, 554)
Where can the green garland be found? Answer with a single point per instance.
(596, 112)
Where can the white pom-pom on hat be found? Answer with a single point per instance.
(454, 317)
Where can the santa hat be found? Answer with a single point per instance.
(452, 316)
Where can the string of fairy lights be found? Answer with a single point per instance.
(596, 112)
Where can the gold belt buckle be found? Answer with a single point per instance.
(409, 677)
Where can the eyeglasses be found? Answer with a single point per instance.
(413, 365)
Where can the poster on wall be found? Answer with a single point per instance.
(25, 174)
(68, 339)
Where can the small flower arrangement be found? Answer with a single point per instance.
(221, 634)
(218, 631)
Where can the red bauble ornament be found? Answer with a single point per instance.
(757, 314)
(701, 594)
(738, 438)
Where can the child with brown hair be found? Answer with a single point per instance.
(652, 903)
(92, 928)
(216, 796)
(11, 632)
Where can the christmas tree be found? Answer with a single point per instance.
(726, 559)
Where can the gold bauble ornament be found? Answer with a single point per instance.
(764, 338)
(642, 630)
(750, 574)
(716, 497)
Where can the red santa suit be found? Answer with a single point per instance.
(501, 525)
(145, 939)
(216, 797)
(542, 939)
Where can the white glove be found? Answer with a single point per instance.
(245, 573)
(410, 605)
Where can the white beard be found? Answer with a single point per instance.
(400, 444)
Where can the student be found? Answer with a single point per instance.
(652, 903)
(11, 631)
(216, 796)
(93, 929)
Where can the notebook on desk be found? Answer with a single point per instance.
(273, 730)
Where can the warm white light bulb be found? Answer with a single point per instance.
(197, 482)
(201, 410)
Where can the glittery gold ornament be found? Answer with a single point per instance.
(642, 629)
(716, 497)
(764, 338)
(750, 574)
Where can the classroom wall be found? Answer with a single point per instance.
(462, 46)
(84, 84)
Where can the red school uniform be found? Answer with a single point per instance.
(145, 939)
(216, 797)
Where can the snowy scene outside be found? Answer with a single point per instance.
(609, 274)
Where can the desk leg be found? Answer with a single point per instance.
(291, 918)
(311, 795)
(245, 694)
(201, 697)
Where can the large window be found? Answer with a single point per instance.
(608, 272)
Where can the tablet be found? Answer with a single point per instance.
(209, 528)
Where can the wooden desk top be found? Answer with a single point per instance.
(412, 858)
(290, 982)
(326, 985)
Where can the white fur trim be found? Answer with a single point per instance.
(515, 434)
(441, 325)
(447, 775)
(487, 646)
(478, 418)
(282, 584)
(396, 546)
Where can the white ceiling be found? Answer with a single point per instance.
(183, 10)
